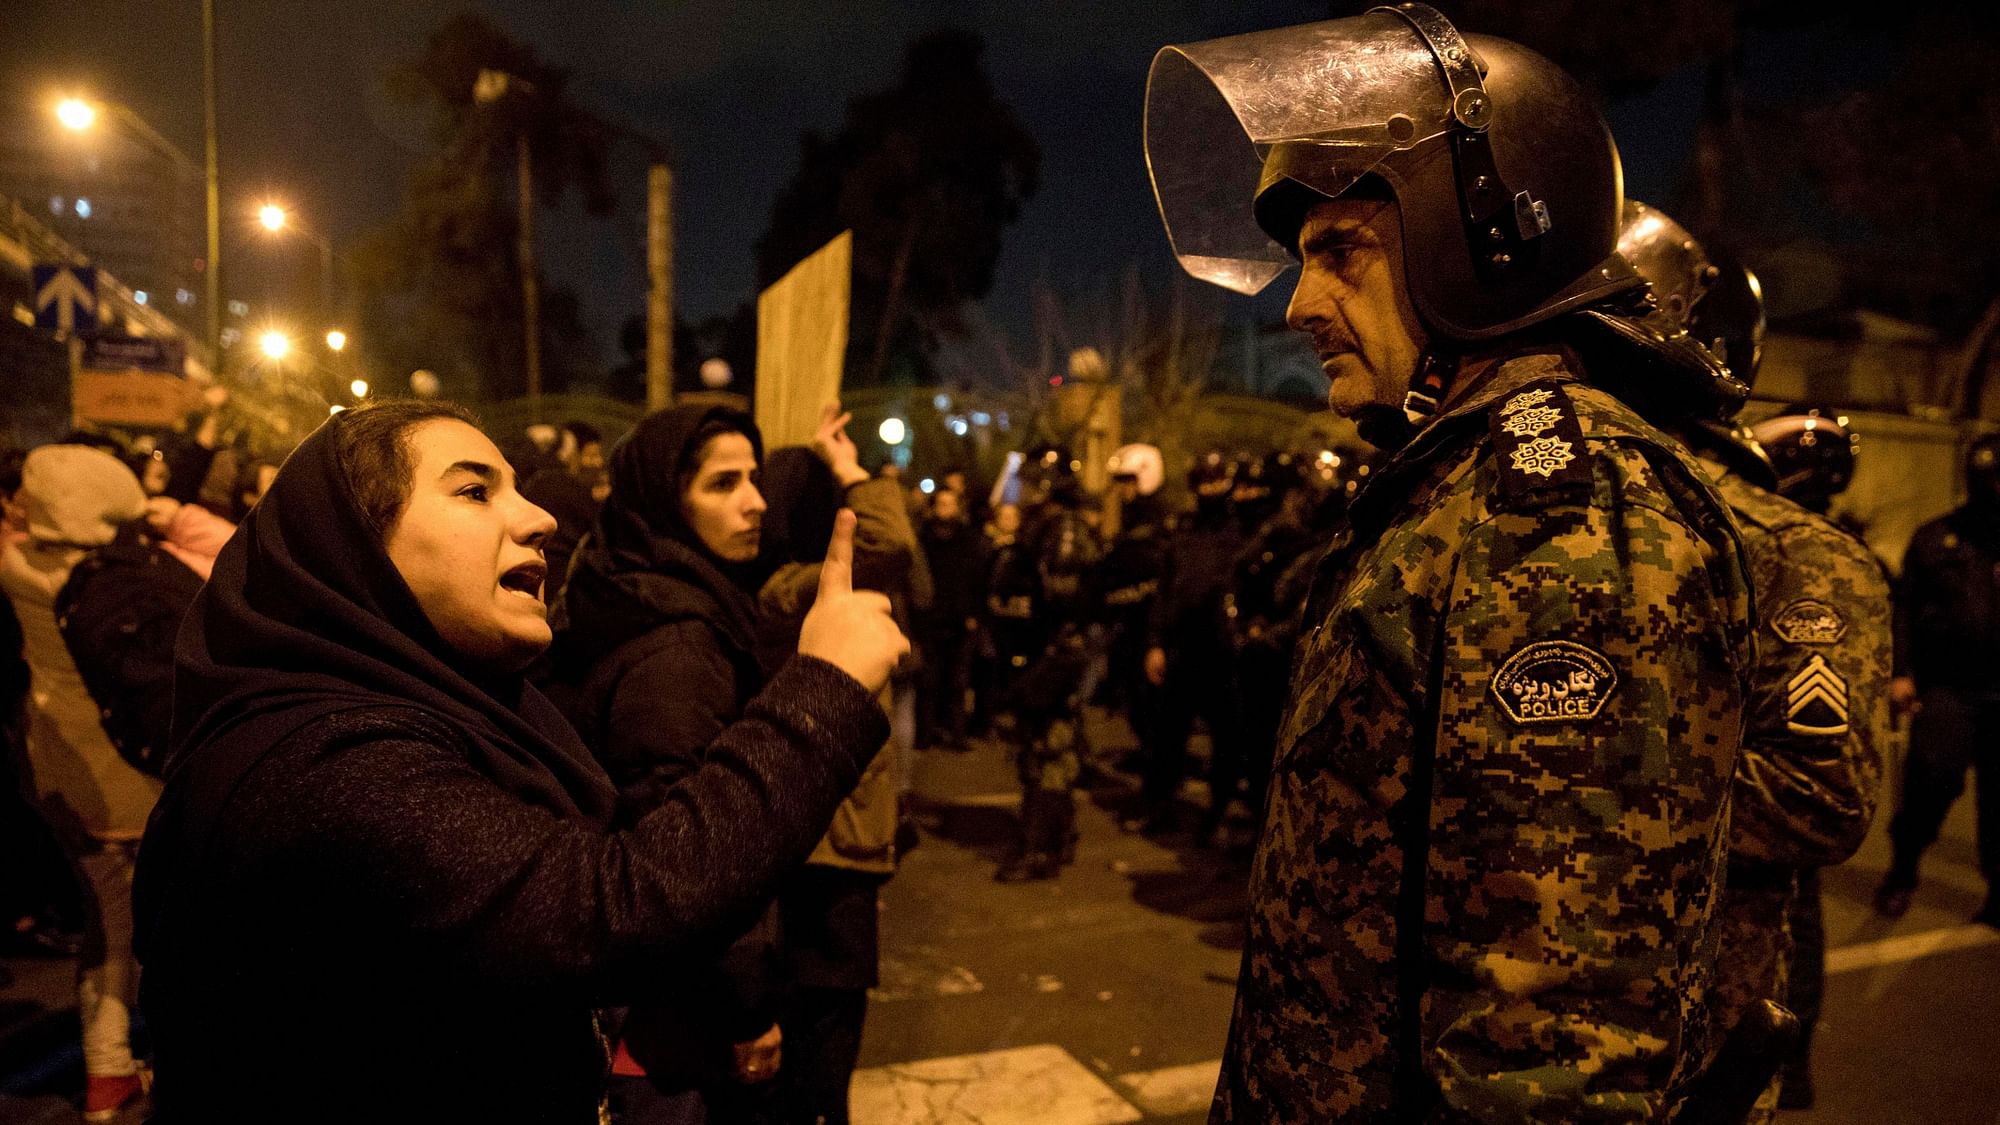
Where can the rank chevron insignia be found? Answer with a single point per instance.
(1816, 700)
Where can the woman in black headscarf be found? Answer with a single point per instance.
(655, 653)
(381, 884)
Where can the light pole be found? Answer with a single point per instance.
(274, 218)
(80, 115)
(491, 86)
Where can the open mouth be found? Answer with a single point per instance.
(526, 580)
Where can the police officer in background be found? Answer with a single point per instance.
(1052, 576)
(1810, 769)
(1187, 657)
(1131, 571)
(1813, 453)
(1948, 675)
(1260, 619)
(1496, 826)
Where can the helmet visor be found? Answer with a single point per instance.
(1322, 103)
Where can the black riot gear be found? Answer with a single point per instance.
(1812, 451)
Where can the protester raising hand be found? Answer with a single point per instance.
(848, 628)
(833, 446)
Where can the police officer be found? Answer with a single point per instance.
(1495, 830)
(1131, 570)
(1948, 674)
(1051, 575)
(1813, 453)
(1260, 617)
(1810, 768)
(1187, 658)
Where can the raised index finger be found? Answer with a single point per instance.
(836, 574)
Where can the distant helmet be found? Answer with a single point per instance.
(1279, 471)
(1812, 450)
(1715, 299)
(1212, 467)
(1140, 464)
(1982, 464)
(1052, 471)
(1505, 172)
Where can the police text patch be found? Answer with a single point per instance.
(1816, 700)
(1554, 682)
(1809, 622)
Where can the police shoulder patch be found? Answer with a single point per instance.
(1809, 621)
(1538, 444)
(1554, 682)
(1816, 700)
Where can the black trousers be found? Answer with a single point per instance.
(947, 675)
(1954, 730)
(1199, 685)
(1806, 990)
(822, 1043)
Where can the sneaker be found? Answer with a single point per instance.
(1892, 898)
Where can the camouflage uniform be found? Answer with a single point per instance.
(1536, 628)
(1811, 764)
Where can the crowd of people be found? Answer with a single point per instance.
(432, 782)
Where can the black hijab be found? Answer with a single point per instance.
(643, 564)
(305, 617)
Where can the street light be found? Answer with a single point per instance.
(274, 344)
(76, 114)
(274, 218)
(359, 387)
(80, 115)
(335, 339)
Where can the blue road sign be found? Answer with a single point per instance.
(66, 298)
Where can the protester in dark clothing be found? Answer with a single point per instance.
(956, 555)
(829, 906)
(565, 489)
(657, 631)
(378, 836)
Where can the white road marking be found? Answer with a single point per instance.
(1039, 1085)
(1909, 947)
(1172, 1091)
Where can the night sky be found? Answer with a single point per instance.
(732, 83)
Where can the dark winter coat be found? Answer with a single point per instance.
(658, 638)
(378, 889)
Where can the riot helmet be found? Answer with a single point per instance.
(1139, 465)
(1505, 173)
(1982, 474)
(1812, 450)
(1048, 473)
(1715, 298)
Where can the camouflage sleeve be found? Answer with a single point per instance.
(1811, 765)
(1589, 710)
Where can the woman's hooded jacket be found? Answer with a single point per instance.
(380, 888)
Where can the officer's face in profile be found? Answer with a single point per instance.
(1353, 301)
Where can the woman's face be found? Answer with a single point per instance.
(470, 547)
(722, 503)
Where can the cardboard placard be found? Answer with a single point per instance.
(132, 398)
(802, 343)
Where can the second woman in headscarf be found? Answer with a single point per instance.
(654, 657)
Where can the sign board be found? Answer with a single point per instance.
(136, 353)
(66, 298)
(802, 343)
(132, 398)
